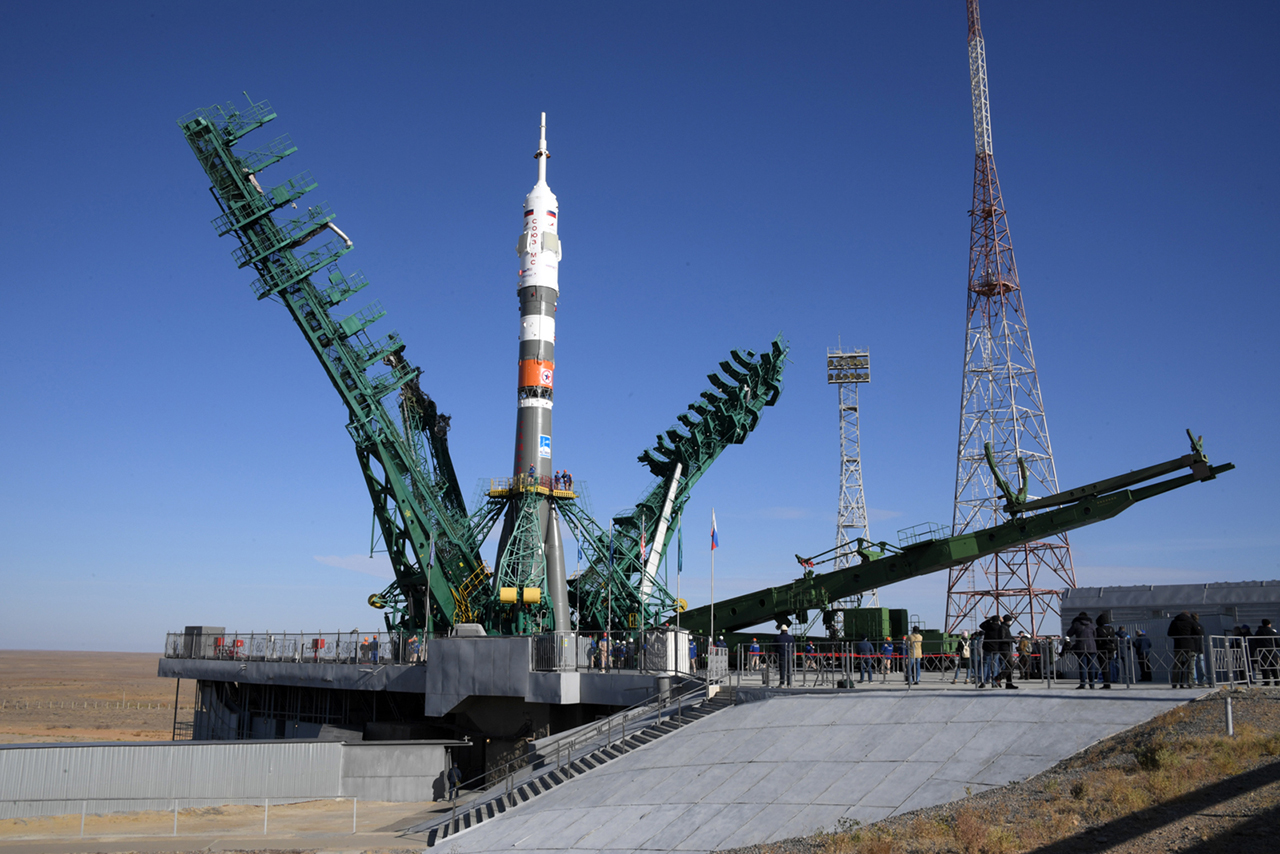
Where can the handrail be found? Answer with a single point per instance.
(626, 714)
(578, 740)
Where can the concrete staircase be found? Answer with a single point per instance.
(506, 795)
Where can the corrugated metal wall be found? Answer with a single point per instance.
(56, 780)
(1224, 604)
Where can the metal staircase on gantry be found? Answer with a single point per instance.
(554, 765)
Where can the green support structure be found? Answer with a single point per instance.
(419, 511)
(524, 568)
(434, 546)
(747, 382)
(415, 496)
(885, 564)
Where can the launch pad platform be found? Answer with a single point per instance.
(497, 692)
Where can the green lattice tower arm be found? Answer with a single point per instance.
(608, 584)
(885, 564)
(724, 415)
(409, 510)
(423, 421)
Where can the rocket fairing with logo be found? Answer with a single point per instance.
(538, 290)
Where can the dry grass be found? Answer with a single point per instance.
(1160, 769)
(86, 696)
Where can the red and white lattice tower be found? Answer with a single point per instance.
(1000, 403)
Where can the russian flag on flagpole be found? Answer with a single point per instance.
(715, 540)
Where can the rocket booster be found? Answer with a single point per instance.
(538, 290)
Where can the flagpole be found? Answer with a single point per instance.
(679, 564)
(713, 572)
(608, 625)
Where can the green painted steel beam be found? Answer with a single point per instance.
(415, 520)
(879, 569)
(706, 429)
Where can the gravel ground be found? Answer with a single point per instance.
(1173, 784)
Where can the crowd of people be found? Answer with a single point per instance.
(1103, 653)
(1100, 654)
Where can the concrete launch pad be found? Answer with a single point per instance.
(495, 694)
(789, 765)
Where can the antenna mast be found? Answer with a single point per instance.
(1000, 403)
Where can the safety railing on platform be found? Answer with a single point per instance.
(971, 661)
(560, 484)
(662, 650)
(658, 651)
(352, 647)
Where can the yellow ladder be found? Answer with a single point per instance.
(462, 612)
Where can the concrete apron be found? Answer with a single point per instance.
(788, 766)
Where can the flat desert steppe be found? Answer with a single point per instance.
(87, 696)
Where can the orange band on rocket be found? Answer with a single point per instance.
(535, 373)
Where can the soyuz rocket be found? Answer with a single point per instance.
(538, 291)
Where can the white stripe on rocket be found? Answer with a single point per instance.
(537, 327)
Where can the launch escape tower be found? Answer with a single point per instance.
(1000, 404)
(433, 543)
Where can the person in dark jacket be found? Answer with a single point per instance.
(990, 629)
(1084, 644)
(1007, 644)
(1105, 639)
(1265, 645)
(866, 660)
(997, 640)
(454, 778)
(1141, 654)
(786, 656)
(1182, 630)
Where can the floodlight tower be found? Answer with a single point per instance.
(1000, 403)
(847, 370)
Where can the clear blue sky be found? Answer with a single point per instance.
(171, 454)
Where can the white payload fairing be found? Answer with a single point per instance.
(539, 290)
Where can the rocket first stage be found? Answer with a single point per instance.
(539, 290)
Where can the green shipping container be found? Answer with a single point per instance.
(870, 623)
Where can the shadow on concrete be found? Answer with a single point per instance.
(431, 812)
(1126, 828)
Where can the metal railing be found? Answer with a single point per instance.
(657, 651)
(558, 753)
(531, 483)
(353, 647)
(1129, 661)
(1206, 662)
(666, 650)
(92, 808)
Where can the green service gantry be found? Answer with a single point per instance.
(619, 588)
(881, 564)
(419, 512)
